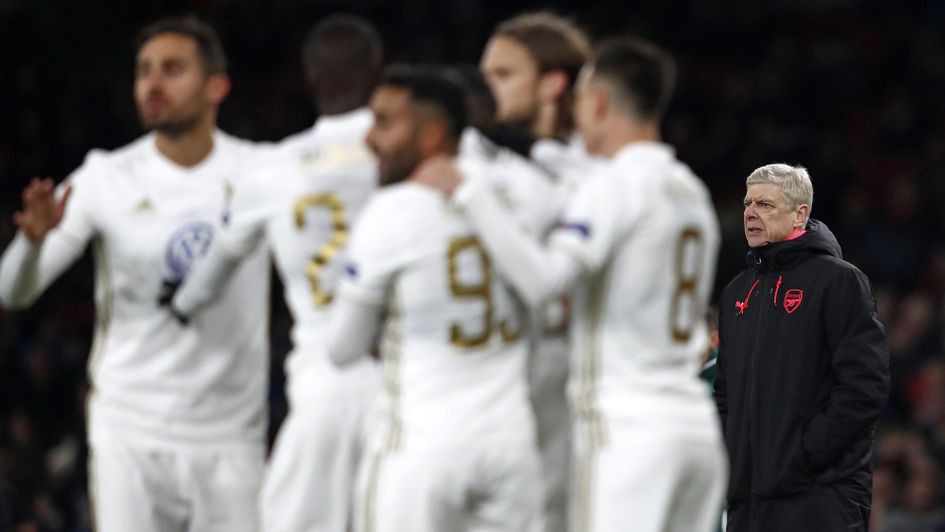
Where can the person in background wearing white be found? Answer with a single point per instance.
(176, 415)
(637, 249)
(301, 205)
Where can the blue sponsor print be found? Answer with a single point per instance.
(186, 246)
(583, 229)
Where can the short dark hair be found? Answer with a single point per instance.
(642, 73)
(342, 42)
(480, 102)
(432, 86)
(208, 42)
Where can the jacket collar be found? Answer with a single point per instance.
(818, 240)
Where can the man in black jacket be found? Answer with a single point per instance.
(803, 369)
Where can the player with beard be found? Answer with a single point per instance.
(301, 204)
(531, 63)
(176, 416)
(637, 249)
(455, 450)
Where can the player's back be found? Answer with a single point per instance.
(639, 327)
(320, 181)
(453, 347)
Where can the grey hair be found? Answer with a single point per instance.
(794, 182)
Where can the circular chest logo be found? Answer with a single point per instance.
(186, 246)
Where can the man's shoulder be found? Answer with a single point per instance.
(835, 270)
(831, 267)
(243, 150)
(123, 160)
(400, 213)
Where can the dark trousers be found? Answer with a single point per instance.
(833, 508)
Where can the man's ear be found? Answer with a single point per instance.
(801, 214)
(431, 137)
(552, 86)
(602, 102)
(218, 87)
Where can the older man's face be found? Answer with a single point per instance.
(768, 215)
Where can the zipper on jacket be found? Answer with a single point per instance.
(777, 287)
(742, 306)
(759, 327)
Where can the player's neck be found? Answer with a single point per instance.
(546, 124)
(624, 133)
(188, 148)
(340, 104)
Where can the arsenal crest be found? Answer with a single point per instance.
(792, 299)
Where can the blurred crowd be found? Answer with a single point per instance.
(850, 89)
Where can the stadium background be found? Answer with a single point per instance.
(854, 90)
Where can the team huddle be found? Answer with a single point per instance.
(498, 286)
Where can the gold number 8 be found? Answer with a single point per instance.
(686, 285)
(339, 236)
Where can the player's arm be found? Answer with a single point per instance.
(375, 256)
(351, 332)
(860, 367)
(49, 240)
(230, 246)
(537, 272)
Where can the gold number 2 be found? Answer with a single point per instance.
(686, 285)
(479, 290)
(339, 236)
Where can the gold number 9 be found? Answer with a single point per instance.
(480, 290)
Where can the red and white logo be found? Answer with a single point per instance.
(792, 299)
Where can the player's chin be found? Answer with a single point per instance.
(154, 121)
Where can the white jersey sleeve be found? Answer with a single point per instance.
(251, 209)
(243, 229)
(375, 255)
(537, 273)
(594, 220)
(27, 268)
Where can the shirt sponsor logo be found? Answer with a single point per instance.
(792, 299)
(186, 246)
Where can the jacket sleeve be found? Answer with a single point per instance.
(719, 390)
(859, 360)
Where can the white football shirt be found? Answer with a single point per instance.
(569, 162)
(453, 347)
(303, 202)
(150, 220)
(531, 192)
(645, 231)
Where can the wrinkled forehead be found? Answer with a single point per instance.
(765, 191)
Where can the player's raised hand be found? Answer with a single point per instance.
(41, 210)
(439, 172)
